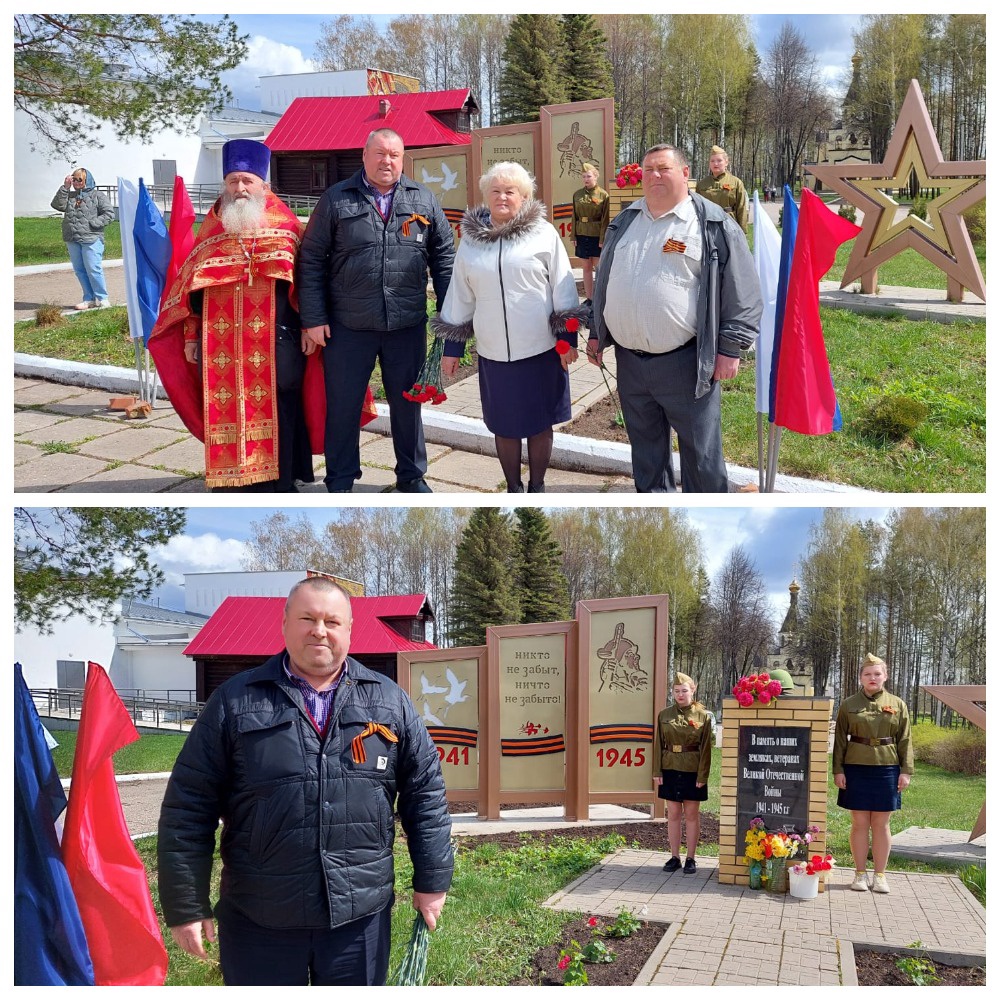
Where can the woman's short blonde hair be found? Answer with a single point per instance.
(588, 167)
(512, 173)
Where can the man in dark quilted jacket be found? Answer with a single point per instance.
(303, 760)
(362, 284)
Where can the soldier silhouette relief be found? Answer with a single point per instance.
(575, 150)
(620, 666)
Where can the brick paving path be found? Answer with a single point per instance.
(726, 934)
(66, 440)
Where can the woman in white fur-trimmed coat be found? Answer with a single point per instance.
(513, 290)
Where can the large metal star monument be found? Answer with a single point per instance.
(943, 238)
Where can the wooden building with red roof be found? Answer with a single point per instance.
(318, 140)
(244, 631)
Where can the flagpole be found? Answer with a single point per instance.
(138, 371)
(774, 446)
(152, 390)
(761, 476)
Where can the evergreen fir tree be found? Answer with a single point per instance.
(533, 67)
(541, 584)
(586, 67)
(484, 591)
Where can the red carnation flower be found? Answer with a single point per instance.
(562, 347)
(592, 922)
(620, 181)
(745, 699)
(572, 325)
(563, 962)
(763, 697)
(439, 399)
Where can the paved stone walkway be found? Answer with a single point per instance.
(726, 934)
(67, 441)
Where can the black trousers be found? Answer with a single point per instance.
(356, 954)
(348, 362)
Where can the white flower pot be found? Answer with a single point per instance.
(802, 886)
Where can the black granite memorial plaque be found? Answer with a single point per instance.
(773, 777)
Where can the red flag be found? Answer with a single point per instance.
(106, 872)
(182, 219)
(805, 400)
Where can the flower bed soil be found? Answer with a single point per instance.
(646, 836)
(598, 421)
(878, 968)
(631, 954)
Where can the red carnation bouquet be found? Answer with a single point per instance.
(428, 386)
(756, 687)
(629, 176)
(816, 864)
(564, 346)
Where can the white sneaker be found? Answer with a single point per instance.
(860, 883)
(879, 884)
(81, 306)
(102, 304)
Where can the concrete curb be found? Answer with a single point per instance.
(656, 956)
(128, 778)
(45, 268)
(81, 373)
(569, 452)
(848, 967)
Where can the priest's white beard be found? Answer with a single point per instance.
(241, 216)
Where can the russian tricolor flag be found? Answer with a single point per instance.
(800, 391)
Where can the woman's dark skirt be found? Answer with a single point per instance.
(588, 246)
(871, 788)
(680, 786)
(523, 398)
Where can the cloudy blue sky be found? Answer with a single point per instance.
(281, 43)
(775, 536)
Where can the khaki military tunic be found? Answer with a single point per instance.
(729, 194)
(683, 741)
(880, 718)
(591, 212)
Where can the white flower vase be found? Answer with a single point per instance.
(803, 886)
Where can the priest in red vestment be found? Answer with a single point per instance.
(228, 343)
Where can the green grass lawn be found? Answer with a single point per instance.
(150, 754)
(98, 336)
(940, 365)
(908, 269)
(493, 923)
(39, 241)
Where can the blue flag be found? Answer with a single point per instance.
(789, 227)
(50, 947)
(153, 251)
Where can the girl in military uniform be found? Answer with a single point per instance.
(872, 764)
(682, 754)
(590, 221)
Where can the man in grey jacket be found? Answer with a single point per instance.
(303, 759)
(678, 296)
(362, 286)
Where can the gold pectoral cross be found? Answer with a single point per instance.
(249, 258)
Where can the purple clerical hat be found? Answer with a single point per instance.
(246, 155)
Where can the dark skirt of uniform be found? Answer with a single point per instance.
(523, 398)
(681, 786)
(588, 246)
(871, 788)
